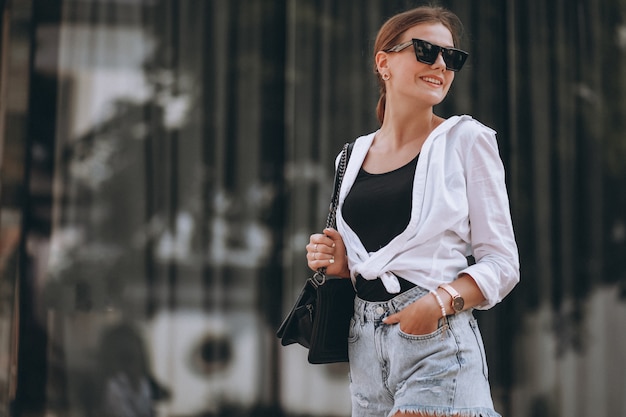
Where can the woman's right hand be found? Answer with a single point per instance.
(328, 250)
(419, 318)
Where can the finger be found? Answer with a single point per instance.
(316, 238)
(323, 257)
(318, 256)
(322, 248)
(320, 243)
(328, 237)
(314, 247)
(332, 235)
(392, 319)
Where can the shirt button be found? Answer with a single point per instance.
(380, 310)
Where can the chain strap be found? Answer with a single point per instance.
(331, 221)
(319, 278)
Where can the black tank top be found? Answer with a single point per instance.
(378, 208)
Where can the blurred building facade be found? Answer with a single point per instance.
(163, 163)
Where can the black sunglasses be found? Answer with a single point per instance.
(427, 53)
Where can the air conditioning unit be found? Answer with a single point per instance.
(314, 390)
(208, 361)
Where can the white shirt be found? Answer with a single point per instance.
(460, 208)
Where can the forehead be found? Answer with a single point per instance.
(435, 33)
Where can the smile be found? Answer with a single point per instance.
(432, 80)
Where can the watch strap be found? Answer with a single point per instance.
(457, 300)
(450, 290)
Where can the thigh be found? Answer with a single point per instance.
(370, 398)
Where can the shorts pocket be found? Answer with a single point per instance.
(441, 327)
(355, 330)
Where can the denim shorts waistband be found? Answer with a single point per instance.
(376, 310)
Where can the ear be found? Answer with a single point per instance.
(382, 63)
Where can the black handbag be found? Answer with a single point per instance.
(320, 317)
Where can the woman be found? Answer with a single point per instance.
(419, 196)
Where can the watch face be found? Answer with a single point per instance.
(458, 303)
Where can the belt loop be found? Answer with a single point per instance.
(395, 304)
(390, 306)
(360, 310)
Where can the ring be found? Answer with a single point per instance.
(332, 260)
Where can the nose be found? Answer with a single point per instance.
(439, 62)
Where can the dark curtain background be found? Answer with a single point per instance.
(177, 155)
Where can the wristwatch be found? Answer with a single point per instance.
(457, 301)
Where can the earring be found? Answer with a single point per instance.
(386, 76)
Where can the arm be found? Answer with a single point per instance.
(496, 270)
(422, 316)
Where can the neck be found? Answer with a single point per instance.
(401, 128)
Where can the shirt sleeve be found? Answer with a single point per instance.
(493, 245)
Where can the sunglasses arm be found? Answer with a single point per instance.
(400, 47)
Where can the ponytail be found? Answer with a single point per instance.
(380, 107)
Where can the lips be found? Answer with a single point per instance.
(433, 80)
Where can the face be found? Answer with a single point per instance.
(415, 80)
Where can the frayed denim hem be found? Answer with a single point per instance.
(446, 411)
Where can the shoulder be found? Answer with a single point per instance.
(358, 147)
(362, 143)
(365, 139)
(466, 132)
(467, 126)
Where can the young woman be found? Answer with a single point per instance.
(419, 196)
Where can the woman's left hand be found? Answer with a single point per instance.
(418, 318)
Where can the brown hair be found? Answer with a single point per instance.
(392, 30)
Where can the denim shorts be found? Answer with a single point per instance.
(443, 373)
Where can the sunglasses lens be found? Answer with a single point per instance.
(454, 59)
(427, 53)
